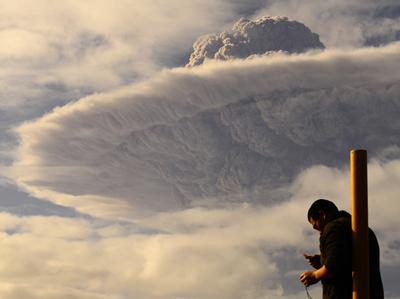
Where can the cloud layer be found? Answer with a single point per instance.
(247, 251)
(225, 131)
(57, 52)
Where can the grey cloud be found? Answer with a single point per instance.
(387, 9)
(386, 17)
(226, 131)
(343, 23)
(255, 37)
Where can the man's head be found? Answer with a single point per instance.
(321, 212)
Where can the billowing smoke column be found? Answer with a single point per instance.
(255, 37)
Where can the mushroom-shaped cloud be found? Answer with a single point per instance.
(255, 37)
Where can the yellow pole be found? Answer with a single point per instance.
(359, 223)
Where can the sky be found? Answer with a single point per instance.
(171, 149)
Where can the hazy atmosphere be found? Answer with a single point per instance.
(171, 149)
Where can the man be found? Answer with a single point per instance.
(334, 265)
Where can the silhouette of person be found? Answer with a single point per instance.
(333, 267)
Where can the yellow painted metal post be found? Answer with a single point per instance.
(359, 223)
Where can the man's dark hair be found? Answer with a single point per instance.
(322, 206)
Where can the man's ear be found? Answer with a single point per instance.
(323, 216)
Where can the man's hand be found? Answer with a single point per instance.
(313, 260)
(308, 278)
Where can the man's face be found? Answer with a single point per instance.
(317, 224)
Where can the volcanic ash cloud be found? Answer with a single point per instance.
(230, 131)
(267, 34)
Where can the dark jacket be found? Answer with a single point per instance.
(336, 252)
(336, 255)
(375, 280)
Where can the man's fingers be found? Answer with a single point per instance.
(307, 278)
(303, 277)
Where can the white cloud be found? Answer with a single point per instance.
(198, 253)
(86, 260)
(95, 45)
(246, 251)
(23, 45)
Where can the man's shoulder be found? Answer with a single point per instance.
(338, 224)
